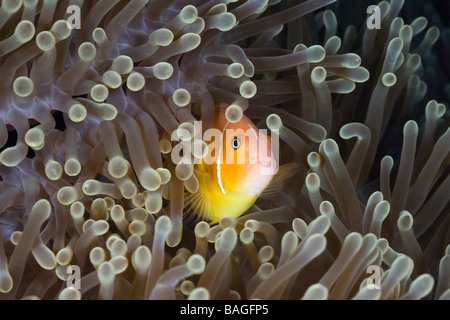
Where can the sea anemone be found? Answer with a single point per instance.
(92, 94)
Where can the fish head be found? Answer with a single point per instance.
(245, 161)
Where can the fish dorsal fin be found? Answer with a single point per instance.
(279, 180)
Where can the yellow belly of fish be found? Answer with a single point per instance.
(215, 204)
(229, 205)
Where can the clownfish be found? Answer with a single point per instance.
(239, 168)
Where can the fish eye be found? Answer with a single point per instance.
(235, 143)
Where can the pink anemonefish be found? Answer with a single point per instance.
(233, 176)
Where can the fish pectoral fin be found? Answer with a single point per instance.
(279, 180)
(197, 204)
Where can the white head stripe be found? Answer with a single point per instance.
(219, 176)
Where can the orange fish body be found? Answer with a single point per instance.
(239, 166)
